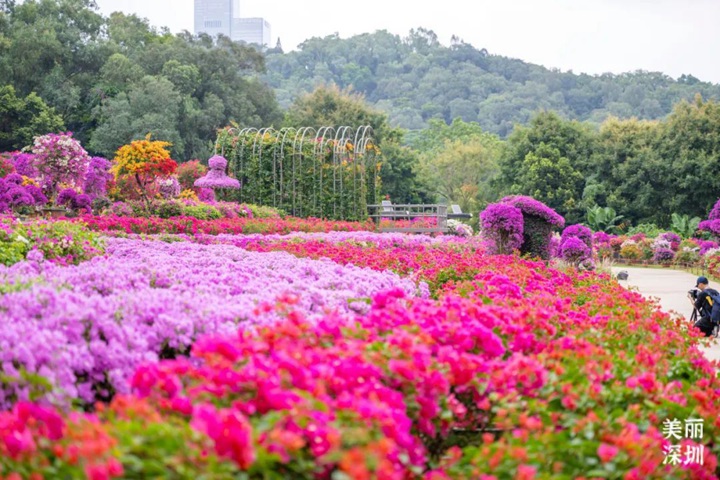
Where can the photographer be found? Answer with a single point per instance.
(702, 303)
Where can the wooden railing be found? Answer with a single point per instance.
(401, 213)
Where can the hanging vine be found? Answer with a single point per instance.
(328, 172)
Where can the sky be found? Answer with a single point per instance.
(674, 37)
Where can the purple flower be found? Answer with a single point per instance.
(169, 187)
(715, 212)
(663, 255)
(601, 238)
(66, 197)
(18, 197)
(578, 231)
(574, 250)
(206, 195)
(706, 245)
(530, 206)
(216, 177)
(671, 237)
(24, 165)
(14, 179)
(97, 177)
(37, 194)
(82, 202)
(502, 226)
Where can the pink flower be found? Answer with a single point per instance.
(606, 452)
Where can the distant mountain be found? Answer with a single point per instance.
(415, 78)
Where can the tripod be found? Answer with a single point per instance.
(694, 318)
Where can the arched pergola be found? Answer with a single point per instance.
(326, 172)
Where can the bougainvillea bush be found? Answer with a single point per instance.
(539, 221)
(85, 328)
(63, 243)
(60, 162)
(502, 227)
(517, 370)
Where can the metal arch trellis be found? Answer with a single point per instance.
(326, 172)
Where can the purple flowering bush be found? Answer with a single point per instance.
(169, 187)
(574, 250)
(14, 196)
(663, 255)
(539, 220)
(24, 164)
(579, 231)
(86, 328)
(216, 176)
(502, 227)
(97, 177)
(77, 202)
(59, 160)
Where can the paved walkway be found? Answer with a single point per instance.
(670, 287)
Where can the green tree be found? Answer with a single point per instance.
(22, 119)
(151, 106)
(551, 178)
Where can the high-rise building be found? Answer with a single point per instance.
(216, 17)
(251, 30)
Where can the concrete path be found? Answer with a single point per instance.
(670, 288)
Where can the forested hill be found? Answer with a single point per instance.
(415, 78)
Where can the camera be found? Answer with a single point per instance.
(694, 293)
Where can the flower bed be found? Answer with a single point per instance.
(521, 372)
(190, 225)
(85, 328)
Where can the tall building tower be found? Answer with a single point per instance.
(215, 16)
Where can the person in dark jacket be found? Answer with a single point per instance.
(702, 301)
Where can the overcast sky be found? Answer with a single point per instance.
(592, 36)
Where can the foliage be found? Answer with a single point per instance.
(325, 180)
(416, 79)
(603, 219)
(684, 226)
(188, 172)
(144, 161)
(113, 79)
(519, 359)
(58, 242)
(24, 119)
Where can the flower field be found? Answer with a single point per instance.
(327, 354)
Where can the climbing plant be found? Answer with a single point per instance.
(328, 172)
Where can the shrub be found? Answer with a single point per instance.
(687, 256)
(169, 187)
(144, 161)
(578, 231)
(630, 250)
(647, 229)
(539, 220)
(59, 159)
(202, 212)
(663, 255)
(6, 165)
(97, 178)
(574, 250)
(169, 208)
(190, 171)
(62, 241)
(502, 226)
